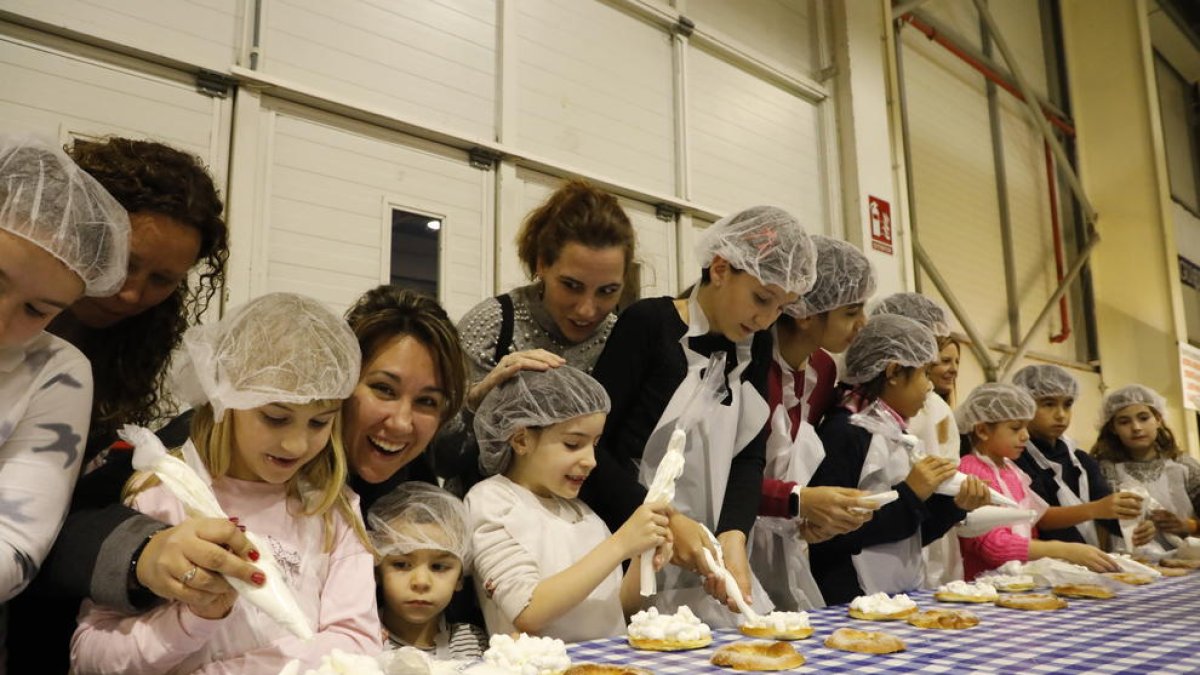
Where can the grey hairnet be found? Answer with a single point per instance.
(1045, 379)
(416, 516)
(917, 307)
(278, 348)
(1132, 394)
(47, 199)
(890, 338)
(994, 402)
(532, 399)
(765, 241)
(844, 277)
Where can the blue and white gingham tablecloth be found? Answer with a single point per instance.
(1145, 629)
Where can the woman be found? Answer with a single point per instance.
(577, 248)
(61, 237)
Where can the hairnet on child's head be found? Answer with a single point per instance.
(1133, 394)
(47, 199)
(532, 399)
(765, 241)
(1045, 379)
(994, 402)
(278, 348)
(888, 339)
(917, 307)
(844, 277)
(416, 516)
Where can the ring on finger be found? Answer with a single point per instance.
(189, 575)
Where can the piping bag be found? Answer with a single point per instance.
(190, 483)
(734, 591)
(662, 489)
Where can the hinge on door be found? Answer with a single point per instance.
(214, 84)
(483, 158)
(666, 212)
(684, 26)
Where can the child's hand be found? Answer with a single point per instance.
(218, 607)
(1119, 505)
(1169, 523)
(928, 473)
(973, 494)
(834, 510)
(1089, 556)
(645, 529)
(1144, 533)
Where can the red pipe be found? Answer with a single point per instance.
(931, 33)
(1055, 228)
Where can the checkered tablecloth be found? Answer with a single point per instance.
(1145, 629)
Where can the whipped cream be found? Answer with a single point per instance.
(979, 589)
(880, 603)
(780, 622)
(527, 655)
(682, 626)
(1007, 580)
(338, 662)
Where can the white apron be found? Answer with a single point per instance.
(1067, 496)
(1031, 500)
(1169, 489)
(710, 449)
(943, 557)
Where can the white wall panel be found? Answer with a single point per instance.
(781, 30)
(752, 143)
(595, 90)
(433, 62)
(201, 32)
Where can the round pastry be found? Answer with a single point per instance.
(769, 633)
(758, 656)
(1010, 583)
(948, 619)
(1092, 591)
(865, 642)
(779, 626)
(651, 645)
(962, 591)
(1031, 601)
(605, 669)
(1171, 571)
(880, 607)
(1131, 578)
(683, 630)
(1180, 563)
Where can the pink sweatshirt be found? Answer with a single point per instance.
(336, 590)
(1000, 545)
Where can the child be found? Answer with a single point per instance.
(995, 416)
(421, 539)
(545, 564)
(267, 382)
(800, 388)
(866, 447)
(1066, 478)
(1136, 448)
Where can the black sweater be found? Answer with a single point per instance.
(1044, 485)
(845, 452)
(641, 367)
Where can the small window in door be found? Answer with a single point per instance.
(416, 251)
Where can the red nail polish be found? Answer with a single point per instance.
(258, 578)
(253, 555)
(242, 528)
(233, 519)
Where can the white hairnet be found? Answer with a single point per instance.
(532, 399)
(1133, 394)
(918, 308)
(844, 277)
(765, 241)
(416, 516)
(994, 402)
(890, 338)
(46, 198)
(1042, 380)
(278, 348)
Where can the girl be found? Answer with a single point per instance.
(544, 562)
(1066, 478)
(995, 416)
(800, 388)
(421, 541)
(934, 424)
(1136, 448)
(754, 263)
(268, 381)
(867, 448)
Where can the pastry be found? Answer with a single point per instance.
(950, 619)
(1131, 578)
(605, 669)
(758, 656)
(1031, 601)
(779, 626)
(1172, 571)
(526, 652)
(1092, 591)
(865, 642)
(1180, 563)
(1009, 583)
(962, 591)
(879, 607)
(676, 632)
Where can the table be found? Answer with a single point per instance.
(1145, 629)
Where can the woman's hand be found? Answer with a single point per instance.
(1170, 523)
(834, 510)
(1144, 533)
(733, 548)
(510, 365)
(184, 563)
(1118, 505)
(973, 494)
(689, 540)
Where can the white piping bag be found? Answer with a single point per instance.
(731, 588)
(662, 489)
(190, 485)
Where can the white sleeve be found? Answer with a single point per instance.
(500, 562)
